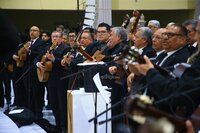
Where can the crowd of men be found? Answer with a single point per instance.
(163, 51)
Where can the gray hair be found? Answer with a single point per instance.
(146, 33)
(121, 32)
(155, 22)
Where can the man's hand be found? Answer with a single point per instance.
(50, 56)
(67, 60)
(144, 68)
(189, 127)
(134, 68)
(130, 81)
(39, 65)
(15, 57)
(112, 70)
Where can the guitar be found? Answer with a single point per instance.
(98, 56)
(132, 55)
(22, 53)
(137, 15)
(126, 21)
(139, 108)
(85, 54)
(43, 74)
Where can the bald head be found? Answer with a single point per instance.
(158, 39)
(34, 32)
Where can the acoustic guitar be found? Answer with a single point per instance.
(98, 56)
(22, 53)
(85, 54)
(139, 108)
(43, 75)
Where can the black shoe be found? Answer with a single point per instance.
(44, 124)
(48, 107)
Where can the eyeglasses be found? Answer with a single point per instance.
(33, 30)
(157, 37)
(189, 31)
(55, 36)
(71, 35)
(170, 34)
(101, 32)
(151, 26)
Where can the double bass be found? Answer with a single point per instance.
(43, 74)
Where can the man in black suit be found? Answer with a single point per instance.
(143, 42)
(192, 40)
(34, 89)
(117, 41)
(174, 52)
(173, 91)
(176, 39)
(69, 62)
(57, 87)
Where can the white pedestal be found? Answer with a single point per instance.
(81, 109)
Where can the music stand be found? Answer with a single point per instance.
(102, 91)
(94, 86)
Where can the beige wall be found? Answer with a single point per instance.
(153, 4)
(47, 13)
(116, 4)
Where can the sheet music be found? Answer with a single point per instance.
(101, 88)
(91, 63)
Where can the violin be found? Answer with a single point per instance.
(43, 74)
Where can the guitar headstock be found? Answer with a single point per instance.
(126, 21)
(132, 55)
(140, 109)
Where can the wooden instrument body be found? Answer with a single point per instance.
(98, 56)
(137, 107)
(86, 55)
(22, 53)
(43, 74)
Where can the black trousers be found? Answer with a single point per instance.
(34, 94)
(58, 99)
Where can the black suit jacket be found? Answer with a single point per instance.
(179, 56)
(36, 50)
(184, 91)
(149, 51)
(57, 69)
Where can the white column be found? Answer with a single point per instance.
(104, 12)
(197, 10)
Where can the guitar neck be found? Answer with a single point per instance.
(135, 104)
(86, 55)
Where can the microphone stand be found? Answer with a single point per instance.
(95, 112)
(26, 72)
(113, 106)
(106, 118)
(113, 118)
